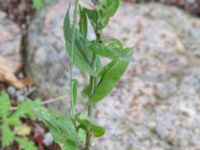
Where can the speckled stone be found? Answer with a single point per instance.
(10, 42)
(46, 58)
(156, 104)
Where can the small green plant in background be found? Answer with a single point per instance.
(11, 128)
(38, 4)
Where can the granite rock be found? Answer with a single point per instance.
(156, 103)
(10, 42)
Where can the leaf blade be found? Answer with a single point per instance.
(83, 24)
(82, 56)
(7, 135)
(112, 52)
(61, 128)
(4, 104)
(73, 91)
(110, 77)
(38, 4)
(26, 144)
(86, 122)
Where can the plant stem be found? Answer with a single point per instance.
(93, 86)
(72, 61)
(89, 134)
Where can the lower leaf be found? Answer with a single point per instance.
(61, 128)
(86, 122)
(26, 144)
(110, 76)
(7, 135)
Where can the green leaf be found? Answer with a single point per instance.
(24, 109)
(62, 139)
(61, 128)
(73, 94)
(66, 26)
(86, 91)
(81, 60)
(26, 144)
(98, 64)
(110, 51)
(83, 24)
(110, 77)
(63, 131)
(93, 16)
(7, 135)
(86, 122)
(13, 120)
(113, 6)
(112, 43)
(82, 56)
(105, 9)
(38, 4)
(82, 136)
(4, 104)
(98, 18)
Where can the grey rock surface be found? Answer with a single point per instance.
(156, 105)
(10, 42)
(46, 57)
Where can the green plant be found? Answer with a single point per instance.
(38, 4)
(77, 130)
(86, 56)
(11, 128)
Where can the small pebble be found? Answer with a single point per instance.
(20, 97)
(20, 75)
(48, 139)
(11, 91)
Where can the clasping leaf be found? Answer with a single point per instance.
(110, 75)
(81, 54)
(111, 49)
(86, 122)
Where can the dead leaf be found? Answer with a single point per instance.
(7, 75)
(22, 130)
